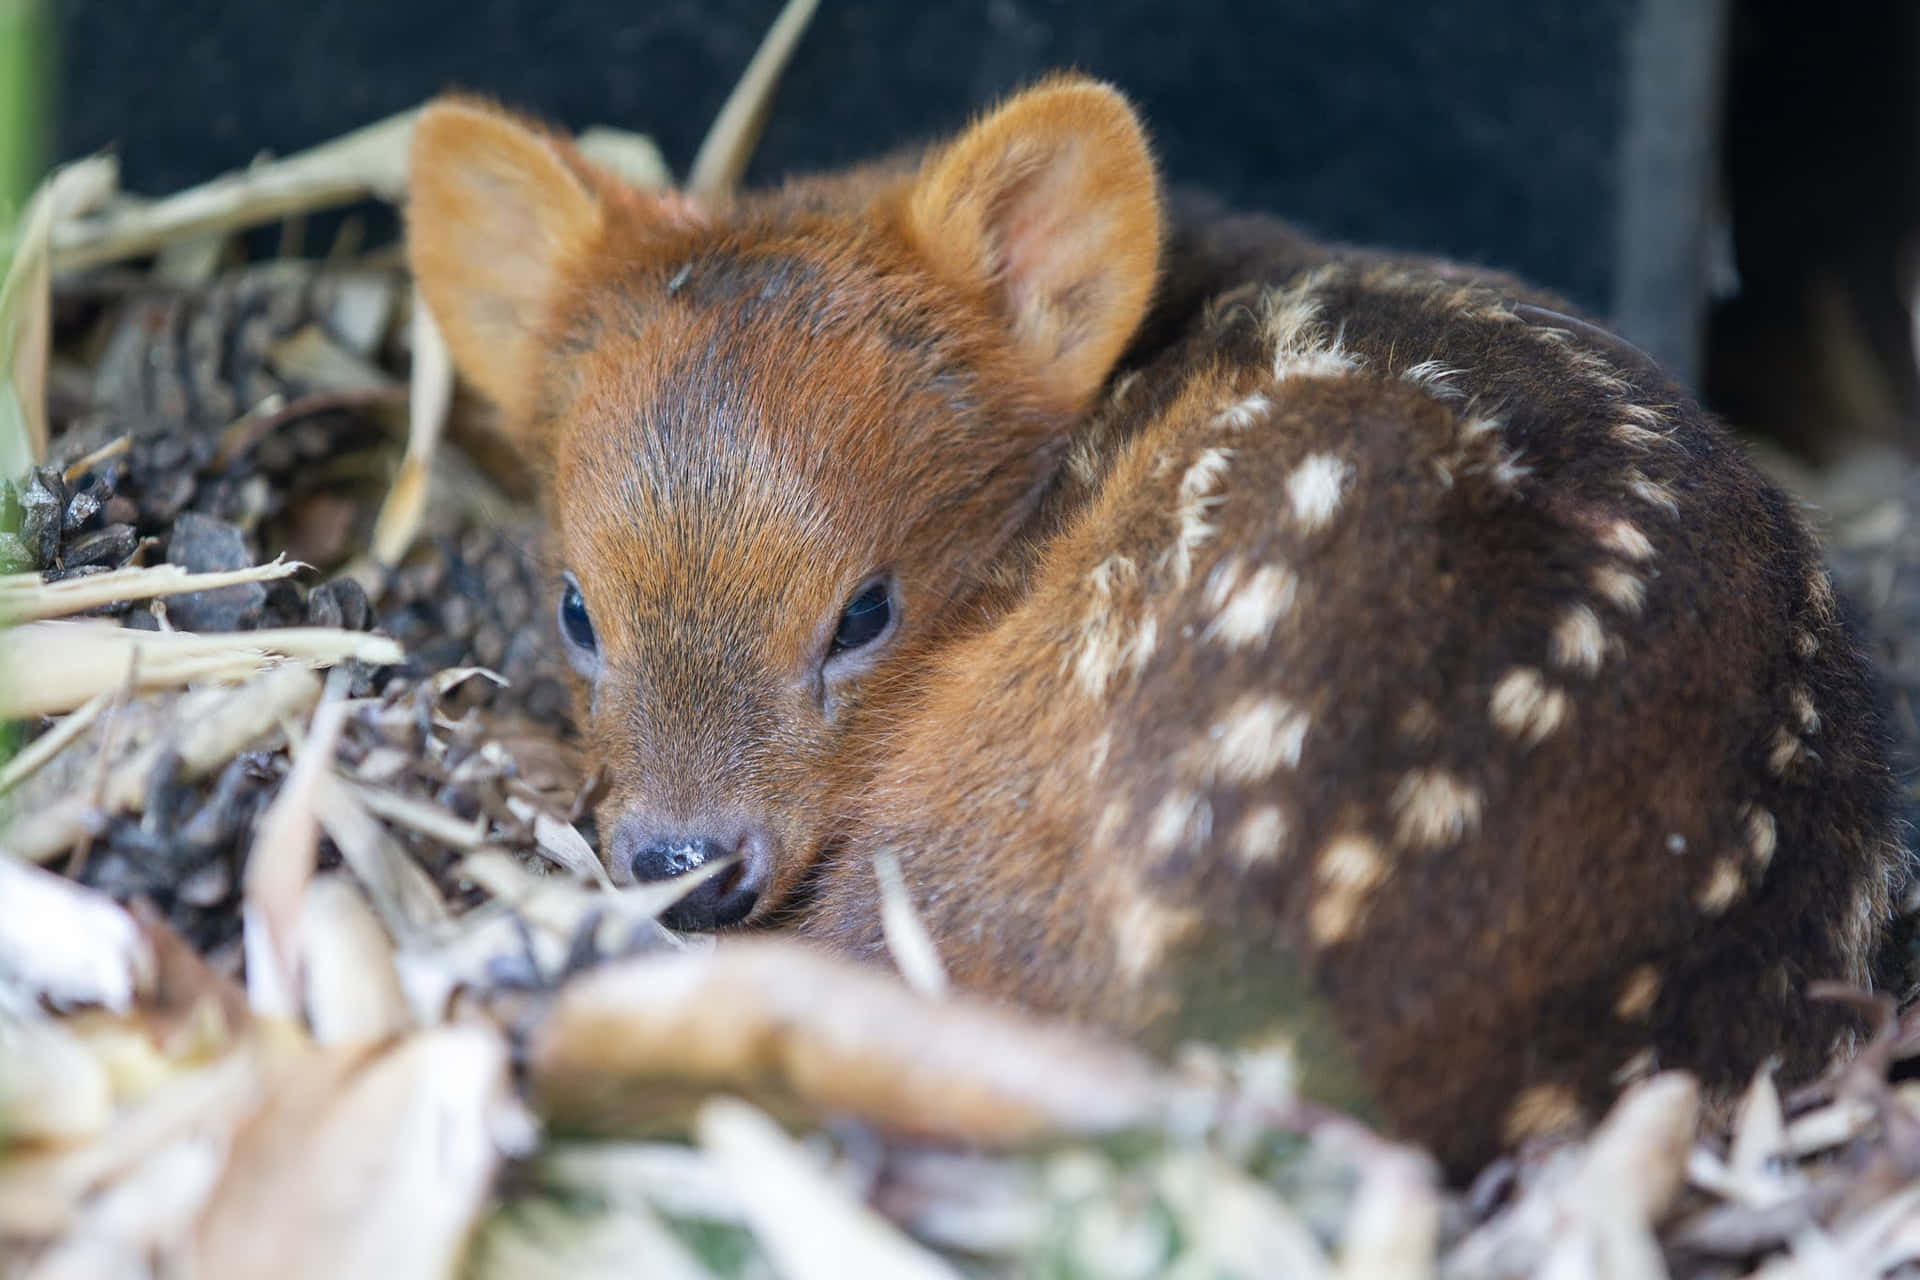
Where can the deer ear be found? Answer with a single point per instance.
(497, 211)
(1050, 206)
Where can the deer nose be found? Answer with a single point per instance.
(649, 855)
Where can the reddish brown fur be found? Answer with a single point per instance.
(1500, 784)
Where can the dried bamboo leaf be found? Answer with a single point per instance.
(52, 1088)
(66, 663)
(810, 1227)
(429, 397)
(1233, 1225)
(630, 1041)
(40, 1194)
(907, 938)
(430, 820)
(367, 162)
(535, 1239)
(311, 356)
(1759, 1143)
(403, 894)
(1393, 1229)
(569, 849)
(26, 597)
(286, 847)
(67, 944)
(145, 1215)
(210, 728)
(26, 301)
(729, 143)
(633, 157)
(364, 1165)
(353, 993)
(679, 1181)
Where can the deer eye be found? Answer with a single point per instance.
(575, 625)
(865, 619)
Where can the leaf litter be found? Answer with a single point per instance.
(307, 965)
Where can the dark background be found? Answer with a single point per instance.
(1630, 153)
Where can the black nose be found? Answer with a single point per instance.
(722, 899)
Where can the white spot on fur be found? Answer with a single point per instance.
(1619, 588)
(1652, 492)
(1348, 870)
(1302, 348)
(1106, 645)
(1525, 706)
(1260, 835)
(1804, 712)
(1250, 614)
(1805, 643)
(1181, 818)
(1435, 377)
(1624, 537)
(1579, 642)
(1419, 722)
(1097, 754)
(1634, 435)
(1762, 836)
(1143, 929)
(1636, 1068)
(1723, 885)
(1315, 488)
(1113, 820)
(1787, 752)
(1199, 495)
(1540, 1110)
(1637, 994)
(1433, 808)
(1258, 736)
(1247, 412)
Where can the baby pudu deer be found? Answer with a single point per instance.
(1232, 636)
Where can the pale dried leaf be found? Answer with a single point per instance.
(32, 757)
(429, 397)
(679, 1181)
(1233, 1225)
(810, 1227)
(1759, 1142)
(52, 1087)
(26, 302)
(633, 157)
(74, 661)
(535, 1240)
(403, 894)
(26, 597)
(1393, 1227)
(364, 1167)
(907, 938)
(286, 846)
(206, 728)
(65, 943)
(730, 140)
(146, 1214)
(41, 1194)
(423, 816)
(368, 162)
(353, 991)
(774, 1018)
